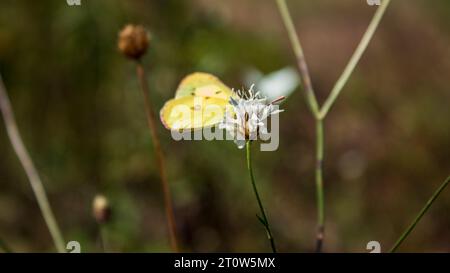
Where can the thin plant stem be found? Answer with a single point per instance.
(263, 218)
(29, 167)
(313, 105)
(320, 113)
(367, 37)
(320, 199)
(151, 120)
(301, 61)
(420, 215)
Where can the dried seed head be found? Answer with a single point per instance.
(101, 209)
(133, 41)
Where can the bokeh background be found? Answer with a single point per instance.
(80, 111)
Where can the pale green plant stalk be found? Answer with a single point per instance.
(263, 218)
(420, 215)
(367, 37)
(30, 170)
(320, 113)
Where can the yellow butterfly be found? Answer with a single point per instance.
(200, 101)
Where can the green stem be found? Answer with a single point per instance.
(313, 105)
(319, 185)
(263, 219)
(30, 169)
(320, 112)
(340, 83)
(421, 213)
(301, 61)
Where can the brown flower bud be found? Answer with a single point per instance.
(101, 209)
(133, 41)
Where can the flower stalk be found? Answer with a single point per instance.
(160, 161)
(30, 169)
(262, 218)
(361, 48)
(101, 210)
(133, 43)
(319, 113)
(319, 185)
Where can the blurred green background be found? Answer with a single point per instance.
(81, 115)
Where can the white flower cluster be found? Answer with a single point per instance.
(248, 117)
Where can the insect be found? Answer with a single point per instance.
(201, 100)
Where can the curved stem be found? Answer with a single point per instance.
(159, 157)
(30, 169)
(263, 218)
(340, 83)
(421, 213)
(320, 199)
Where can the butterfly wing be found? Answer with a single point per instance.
(200, 101)
(192, 112)
(203, 85)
